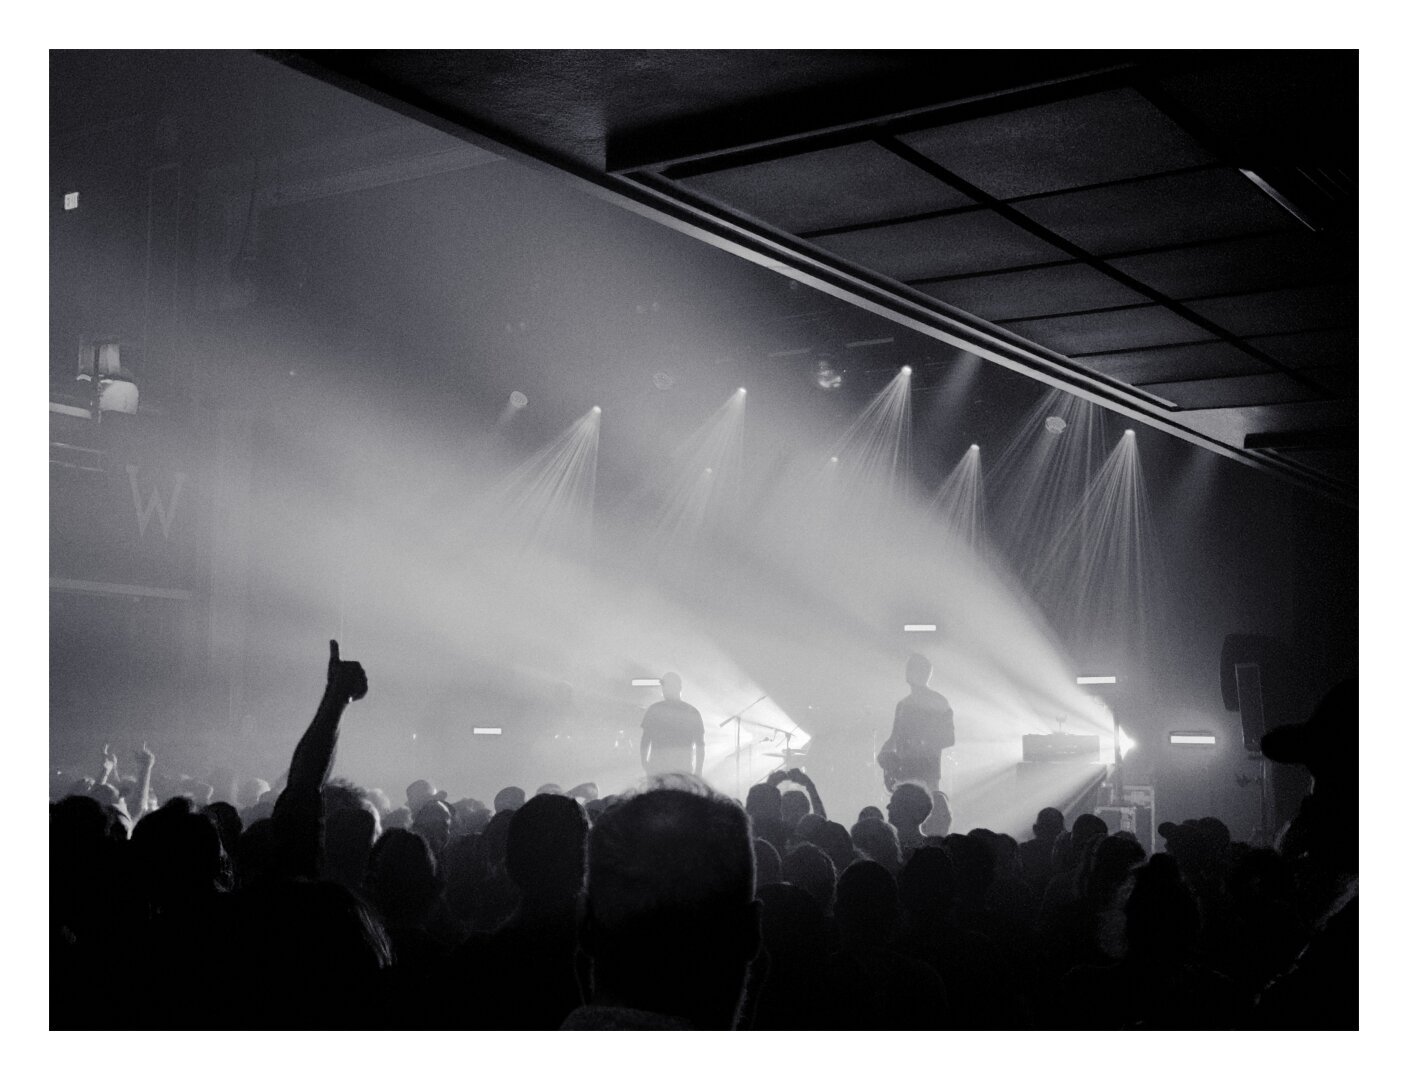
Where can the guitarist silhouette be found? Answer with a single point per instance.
(923, 729)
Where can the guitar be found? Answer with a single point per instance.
(889, 761)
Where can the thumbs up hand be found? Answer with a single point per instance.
(346, 679)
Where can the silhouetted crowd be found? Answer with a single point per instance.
(318, 904)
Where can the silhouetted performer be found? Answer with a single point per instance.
(672, 733)
(923, 729)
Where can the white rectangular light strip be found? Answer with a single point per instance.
(488, 731)
(920, 627)
(1188, 738)
(645, 682)
(1094, 680)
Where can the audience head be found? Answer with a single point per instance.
(401, 878)
(510, 798)
(432, 821)
(764, 800)
(381, 801)
(470, 816)
(973, 862)
(767, 862)
(418, 794)
(1086, 829)
(877, 840)
(871, 812)
(250, 791)
(670, 922)
(1113, 857)
(910, 806)
(795, 805)
(867, 906)
(809, 828)
(178, 854)
(809, 868)
(835, 839)
(546, 851)
(1050, 823)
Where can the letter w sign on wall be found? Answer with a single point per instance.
(152, 504)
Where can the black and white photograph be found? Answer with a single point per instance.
(714, 539)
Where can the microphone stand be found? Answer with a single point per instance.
(737, 720)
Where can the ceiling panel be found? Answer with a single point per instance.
(1339, 381)
(1208, 205)
(1108, 331)
(1314, 348)
(824, 189)
(1246, 264)
(1048, 290)
(1235, 392)
(1205, 360)
(961, 243)
(1281, 311)
(1112, 135)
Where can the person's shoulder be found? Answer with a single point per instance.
(933, 698)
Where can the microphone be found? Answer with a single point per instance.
(726, 722)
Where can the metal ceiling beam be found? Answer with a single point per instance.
(652, 197)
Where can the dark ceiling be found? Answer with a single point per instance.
(1174, 235)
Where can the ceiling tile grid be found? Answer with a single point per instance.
(1092, 139)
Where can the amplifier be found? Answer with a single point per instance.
(1060, 748)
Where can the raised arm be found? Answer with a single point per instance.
(797, 776)
(298, 813)
(144, 784)
(109, 772)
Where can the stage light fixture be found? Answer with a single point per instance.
(596, 410)
(906, 370)
(488, 731)
(1094, 680)
(920, 628)
(1055, 425)
(1192, 738)
(663, 380)
(518, 399)
(645, 682)
(834, 460)
(828, 376)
